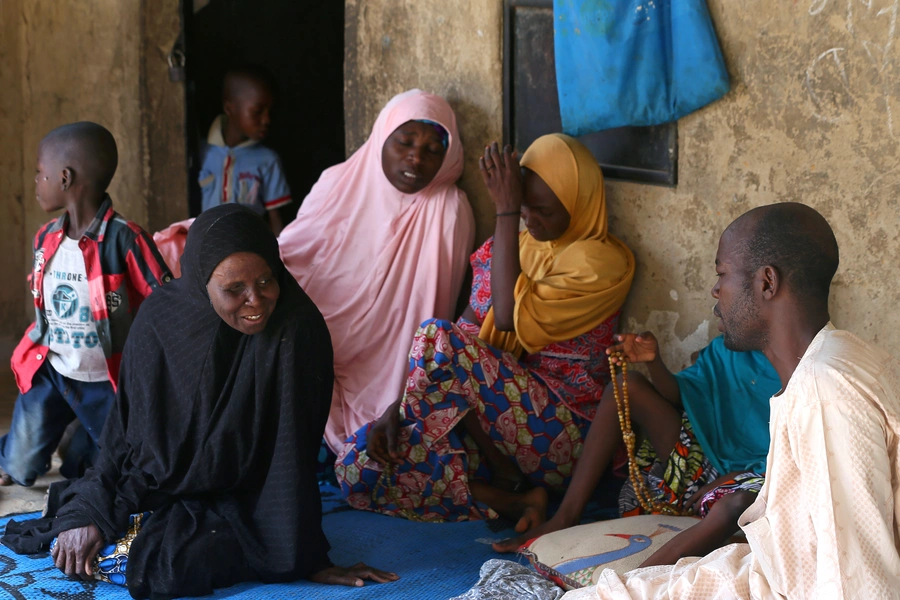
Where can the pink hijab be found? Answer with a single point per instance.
(378, 262)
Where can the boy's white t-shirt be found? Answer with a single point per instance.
(75, 349)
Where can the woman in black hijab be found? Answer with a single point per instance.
(224, 392)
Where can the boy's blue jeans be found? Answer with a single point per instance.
(40, 418)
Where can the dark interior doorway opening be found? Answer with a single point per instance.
(302, 45)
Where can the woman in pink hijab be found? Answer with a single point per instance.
(381, 244)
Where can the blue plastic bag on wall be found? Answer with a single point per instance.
(634, 62)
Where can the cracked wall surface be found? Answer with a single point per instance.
(809, 119)
(812, 116)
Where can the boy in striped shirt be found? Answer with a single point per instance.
(91, 271)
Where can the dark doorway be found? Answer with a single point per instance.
(302, 45)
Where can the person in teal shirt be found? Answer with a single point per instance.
(705, 438)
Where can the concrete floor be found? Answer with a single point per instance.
(17, 499)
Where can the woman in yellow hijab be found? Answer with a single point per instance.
(571, 278)
(497, 405)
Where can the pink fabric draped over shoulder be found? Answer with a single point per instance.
(378, 262)
(170, 242)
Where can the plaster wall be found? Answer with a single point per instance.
(812, 116)
(162, 104)
(12, 192)
(95, 60)
(81, 62)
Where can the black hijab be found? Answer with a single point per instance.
(214, 431)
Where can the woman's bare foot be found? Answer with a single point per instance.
(528, 510)
(5, 479)
(537, 529)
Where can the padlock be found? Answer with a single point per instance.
(176, 62)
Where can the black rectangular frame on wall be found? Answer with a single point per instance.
(531, 104)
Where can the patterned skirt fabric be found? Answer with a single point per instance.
(684, 473)
(745, 482)
(111, 562)
(451, 373)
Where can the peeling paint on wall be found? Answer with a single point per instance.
(675, 351)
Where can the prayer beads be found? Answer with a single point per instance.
(647, 501)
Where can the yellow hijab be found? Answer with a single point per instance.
(570, 285)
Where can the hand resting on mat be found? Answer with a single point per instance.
(75, 551)
(353, 576)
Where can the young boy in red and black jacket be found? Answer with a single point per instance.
(91, 271)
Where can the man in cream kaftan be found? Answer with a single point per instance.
(825, 524)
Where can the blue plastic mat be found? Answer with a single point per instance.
(433, 561)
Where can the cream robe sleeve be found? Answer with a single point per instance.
(724, 574)
(833, 493)
(840, 442)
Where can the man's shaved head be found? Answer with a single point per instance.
(88, 149)
(793, 238)
(239, 80)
